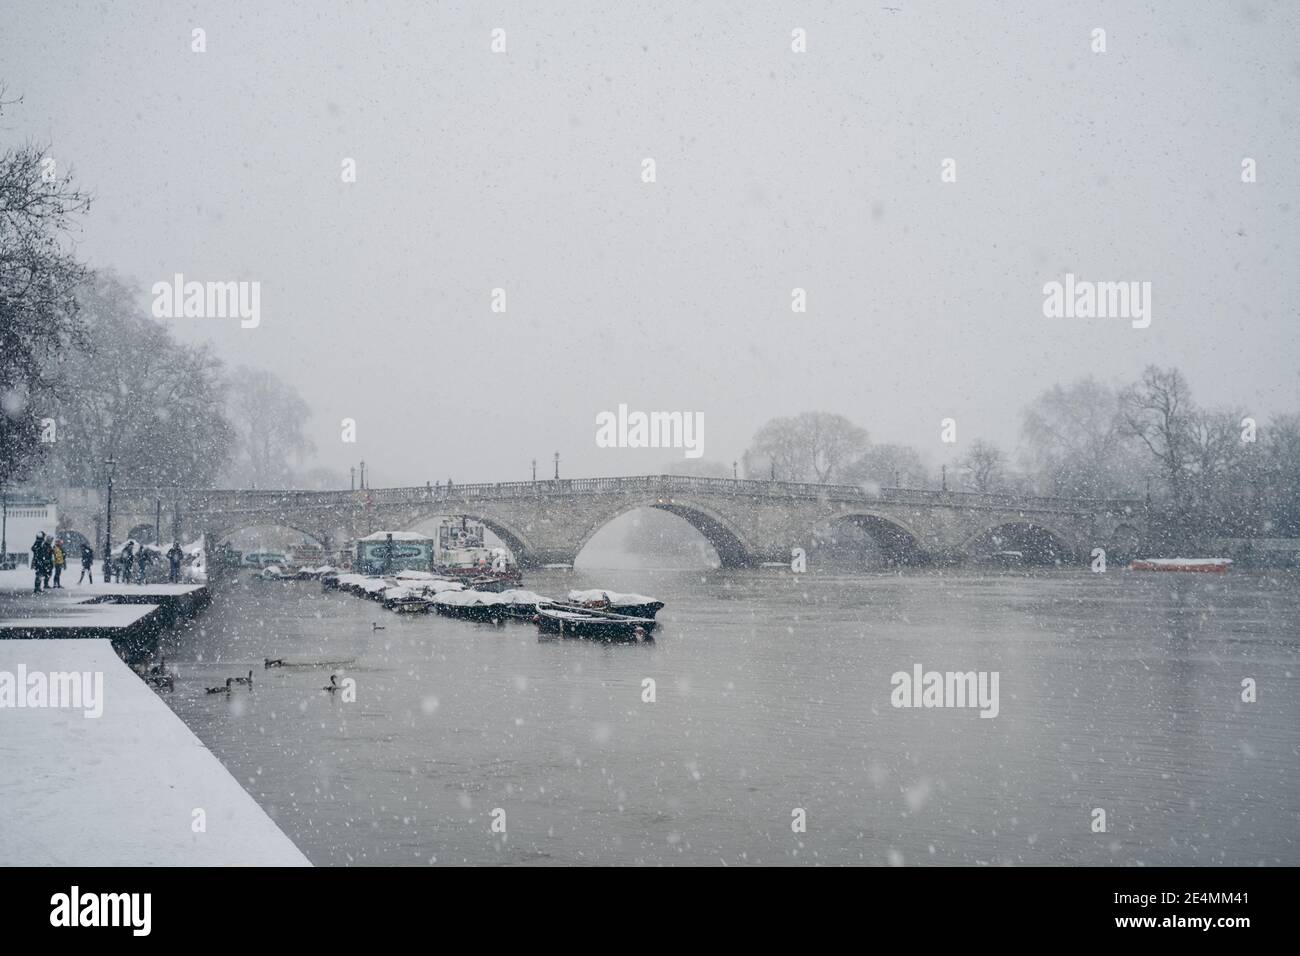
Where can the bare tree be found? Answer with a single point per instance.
(984, 466)
(270, 418)
(132, 392)
(813, 447)
(1158, 411)
(1075, 445)
(38, 279)
(888, 466)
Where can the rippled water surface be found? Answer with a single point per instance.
(1120, 691)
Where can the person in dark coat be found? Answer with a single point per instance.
(38, 562)
(174, 557)
(87, 564)
(143, 560)
(47, 565)
(128, 561)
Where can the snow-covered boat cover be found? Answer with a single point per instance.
(613, 597)
(468, 598)
(400, 593)
(438, 586)
(414, 576)
(520, 596)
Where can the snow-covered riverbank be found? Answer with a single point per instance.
(131, 787)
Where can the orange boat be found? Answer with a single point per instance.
(1205, 565)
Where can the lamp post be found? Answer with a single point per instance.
(352, 476)
(111, 466)
(734, 466)
(157, 519)
(363, 473)
(534, 469)
(4, 528)
(557, 465)
(945, 477)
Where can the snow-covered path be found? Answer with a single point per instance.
(127, 788)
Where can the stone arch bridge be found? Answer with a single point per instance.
(748, 522)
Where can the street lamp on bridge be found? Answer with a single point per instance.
(557, 465)
(534, 469)
(111, 467)
(734, 466)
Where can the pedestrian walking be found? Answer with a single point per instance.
(87, 564)
(174, 557)
(60, 561)
(143, 560)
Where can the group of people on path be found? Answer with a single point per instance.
(49, 557)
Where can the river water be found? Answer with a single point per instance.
(1119, 692)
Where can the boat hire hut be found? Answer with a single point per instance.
(386, 552)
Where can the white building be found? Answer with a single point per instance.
(21, 516)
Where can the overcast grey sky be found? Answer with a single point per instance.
(775, 170)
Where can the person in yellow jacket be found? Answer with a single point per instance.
(60, 559)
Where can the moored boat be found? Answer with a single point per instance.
(406, 600)
(521, 605)
(594, 625)
(478, 606)
(628, 605)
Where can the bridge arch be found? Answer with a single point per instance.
(898, 541)
(1124, 541)
(732, 548)
(1042, 542)
(225, 533)
(515, 539)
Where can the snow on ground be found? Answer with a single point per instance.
(121, 789)
(63, 608)
(35, 614)
(22, 579)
